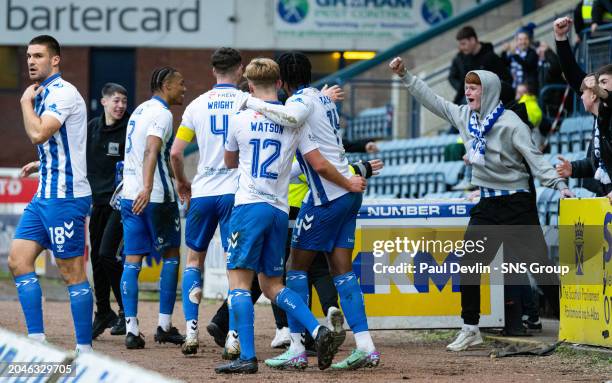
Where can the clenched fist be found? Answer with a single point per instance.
(397, 66)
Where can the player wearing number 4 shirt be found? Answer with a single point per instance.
(148, 206)
(211, 195)
(263, 151)
(55, 120)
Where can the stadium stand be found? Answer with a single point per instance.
(373, 123)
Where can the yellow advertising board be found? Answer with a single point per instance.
(406, 294)
(151, 268)
(585, 245)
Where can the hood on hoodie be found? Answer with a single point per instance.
(491, 89)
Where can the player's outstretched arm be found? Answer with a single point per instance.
(356, 184)
(425, 96)
(152, 150)
(38, 129)
(291, 115)
(183, 138)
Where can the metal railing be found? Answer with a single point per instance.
(596, 49)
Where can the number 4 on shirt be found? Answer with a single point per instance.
(225, 125)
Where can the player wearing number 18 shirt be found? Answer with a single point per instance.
(211, 194)
(55, 120)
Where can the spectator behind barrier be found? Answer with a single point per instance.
(550, 73)
(595, 164)
(526, 96)
(521, 58)
(473, 55)
(601, 13)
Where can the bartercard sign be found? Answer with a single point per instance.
(170, 23)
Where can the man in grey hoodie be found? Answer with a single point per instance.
(499, 147)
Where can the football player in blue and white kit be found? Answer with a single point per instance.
(263, 151)
(327, 219)
(55, 120)
(149, 206)
(211, 195)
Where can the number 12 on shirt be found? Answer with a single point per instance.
(256, 170)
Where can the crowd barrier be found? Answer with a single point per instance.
(585, 245)
(26, 360)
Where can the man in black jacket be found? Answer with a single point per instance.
(105, 147)
(474, 55)
(602, 13)
(575, 76)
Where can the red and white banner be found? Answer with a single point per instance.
(17, 190)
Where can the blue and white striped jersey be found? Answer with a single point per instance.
(151, 118)
(63, 166)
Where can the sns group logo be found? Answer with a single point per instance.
(292, 11)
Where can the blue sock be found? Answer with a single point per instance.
(295, 307)
(81, 305)
(297, 281)
(351, 300)
(30, 297)
(232, 319)
(167, 285)
(244, 316)
(192, 280)
(129, 288)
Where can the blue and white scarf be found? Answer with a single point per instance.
(479, 131)
(601, 174)
(518, 76)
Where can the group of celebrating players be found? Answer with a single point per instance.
(250, 147)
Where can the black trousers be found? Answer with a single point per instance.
(221, 317)
(512, 221)
(319, 276)
(106, 236)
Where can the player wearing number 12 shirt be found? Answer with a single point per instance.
(263, 152)
(211, 194)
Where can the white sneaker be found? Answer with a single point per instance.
(465, 338)
(282, 338)
(191, 345)
(231, 350)
(335, 322)
(335, 319)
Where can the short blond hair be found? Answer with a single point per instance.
(262, 71)
(583, 86)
